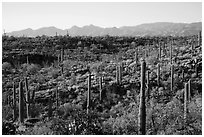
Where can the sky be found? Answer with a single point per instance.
(22, 15)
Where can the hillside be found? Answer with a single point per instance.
(151, 29)
(102, 85)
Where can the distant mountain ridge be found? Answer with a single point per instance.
(148, 29)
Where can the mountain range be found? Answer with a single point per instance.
(148, 29)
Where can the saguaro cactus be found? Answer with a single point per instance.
(21, 102)
(100, 87)
(172, 77)
(148, 94)
(182, 74)
(50, 105)
(27, 60)
(171, 52)
(142, 107)
(62, 54)
(13, 105)
(199, 38)
(185, 101)
(159, 51)
(158, 74)
(189, 89)
(29, 98)
(196, 69)
(120, 72)
(58, 59)
(89, 93)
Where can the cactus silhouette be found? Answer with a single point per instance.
(172, 77)
(196, 70)
(89, 93)
(199, 38)
(160, 51)
(189, 89)
(29, 99)
(100, 87)
(171, 52)
(13, 103)
(185, 102)
(148, 90)
(21, 102)
(50, 105)
(142, 107)
(120, 72)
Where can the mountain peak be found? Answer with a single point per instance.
(147, 29)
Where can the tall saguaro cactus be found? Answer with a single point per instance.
(21, 102)
(89, 93)
(142, 107)
(120, 72)
(100, 87)
(148, 94)
(50, 105)
(171, 52)
(14, 102)
(62, 54)
(29, 98)
(185, 102)
(189, 89)
(172, 77)
(199, 38)
(159, 51)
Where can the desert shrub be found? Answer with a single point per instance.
(7, 112)
(125, 121)
(153, 60)
(54, 73)
(8, 128)
(78, 123)
(73, 79)
(40, 128)
(32, 69)
(36, 109)
(6, 67)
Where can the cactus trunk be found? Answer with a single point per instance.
(14, 102)
(142, 107)
(120, 73)
(189, 90)
(100, 87)
(148, 94)
(50, 105)
(170, 53)
(27, 98)
(21, 102)
(159, 51)
(89, 93)
(199, 38)
(172, 77)
(185, 102)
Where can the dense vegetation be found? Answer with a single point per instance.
(54, 71)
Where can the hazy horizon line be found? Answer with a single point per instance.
(100, 26)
